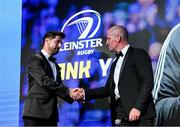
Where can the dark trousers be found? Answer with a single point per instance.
(30, 121)
(121, 118)
(125, 122)
(118, 113)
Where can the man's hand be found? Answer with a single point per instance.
(77, 94)
(134, 114)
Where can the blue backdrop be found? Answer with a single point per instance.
(10, 54)
(23, 24)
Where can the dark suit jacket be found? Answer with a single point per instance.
(135, 84)
(41, 101)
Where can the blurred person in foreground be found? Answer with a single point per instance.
(167, 81)
(45, 84)
(129, 84)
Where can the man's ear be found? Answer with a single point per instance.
(118, 38)
(46, 40)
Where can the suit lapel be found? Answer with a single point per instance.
(124, 61)
(58, 77)
(47, 66)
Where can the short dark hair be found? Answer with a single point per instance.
(53, 34)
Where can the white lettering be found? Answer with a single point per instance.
(91, 43)
(105, 66)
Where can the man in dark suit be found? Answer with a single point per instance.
(40, 108)
(129, 84)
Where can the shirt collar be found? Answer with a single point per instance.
(46, 54)
(124, 50)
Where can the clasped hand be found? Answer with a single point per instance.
(77, 94)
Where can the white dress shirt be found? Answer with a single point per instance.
(53, 66)
(117, 71)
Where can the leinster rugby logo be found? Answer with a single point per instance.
(83, 26)
(82, 38)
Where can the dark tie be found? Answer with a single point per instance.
(52, 59)
(117, 57)
(119, 54)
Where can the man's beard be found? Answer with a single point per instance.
(56, 51)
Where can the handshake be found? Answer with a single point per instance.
(77, 94)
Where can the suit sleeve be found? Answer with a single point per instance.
(99, 92)
(37, 71)
(144, 70)
(96, 93)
